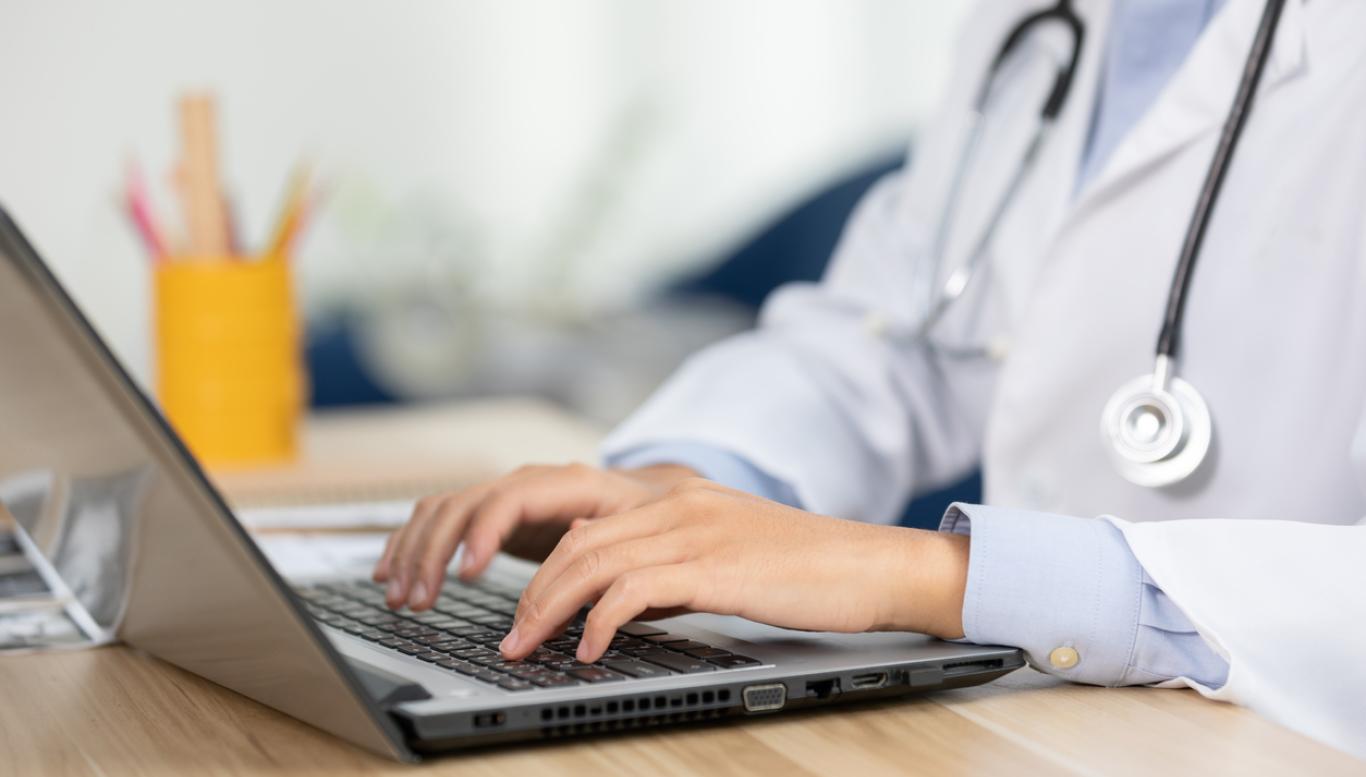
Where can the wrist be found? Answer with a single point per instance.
(928, 577)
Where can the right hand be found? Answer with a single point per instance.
(485, 516)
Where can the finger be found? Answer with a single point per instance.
(400, 575)
(492, 521)
(381, 571)
(535, 494)
(602, 532)
(441, 534)
(391, 548)
(670, 587)
(582, 583)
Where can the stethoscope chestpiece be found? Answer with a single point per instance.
(1158, 428)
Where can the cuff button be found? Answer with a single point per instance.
(1064, 658)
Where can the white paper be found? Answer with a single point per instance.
(346, 515)
(303, 557)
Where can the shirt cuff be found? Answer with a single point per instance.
(712, 463)
(1070, 593)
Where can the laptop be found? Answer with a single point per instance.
(123, 522)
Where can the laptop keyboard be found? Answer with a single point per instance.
(462, 631)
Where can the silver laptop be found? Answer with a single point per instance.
(128, 529)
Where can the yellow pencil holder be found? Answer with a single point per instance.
(229, 373)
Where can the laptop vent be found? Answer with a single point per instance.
(634, 712)
(626, 724)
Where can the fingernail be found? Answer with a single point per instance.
(393, 592)
(582, 653)
(419, 594)
(509, 642)
(466, 562)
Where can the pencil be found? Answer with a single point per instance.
(292, 213)
(202, 191)
(139, 212)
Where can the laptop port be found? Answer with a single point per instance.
(868, 680)
(489, 719)
(823, 689)
(764, 698)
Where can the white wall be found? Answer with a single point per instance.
(611, 141)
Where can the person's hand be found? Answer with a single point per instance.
(484, 518)
(707, 548)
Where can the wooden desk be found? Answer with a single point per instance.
(114, 712)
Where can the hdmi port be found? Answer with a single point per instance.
(869, 680)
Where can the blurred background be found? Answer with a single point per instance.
(533, 197)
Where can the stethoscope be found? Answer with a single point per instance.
(1157, 426)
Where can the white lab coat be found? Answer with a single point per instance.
(1274, 338)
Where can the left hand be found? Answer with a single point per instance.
(707, 548)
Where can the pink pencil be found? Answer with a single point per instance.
(140, 213)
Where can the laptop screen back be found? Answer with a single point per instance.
(121, 513)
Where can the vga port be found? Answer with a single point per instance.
(764, 698)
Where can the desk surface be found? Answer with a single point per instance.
(114, 712)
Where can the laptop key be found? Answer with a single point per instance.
(678, 662)
(640, 630)
(394, 642)
(638, 669)
(734, 661)
(665, 638)
(554, 681)
(432, 656)
(511, 684)
(465, 631)
(465, 653)
(687, 645)
(412, 649)
(543, 656)
(497, 622)
(593, 674)
(707, 653)
(447, 623)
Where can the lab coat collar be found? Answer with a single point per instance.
(1197, 99)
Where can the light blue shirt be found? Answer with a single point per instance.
(1039, 581)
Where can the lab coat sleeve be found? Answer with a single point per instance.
(852, 421)
(1284, 602)
(1042, 582)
